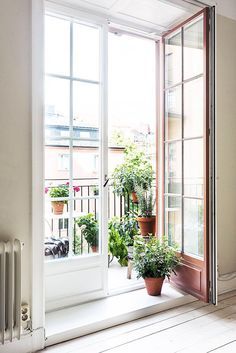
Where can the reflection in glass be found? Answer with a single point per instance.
(193, 227)
(173, 113)
(193, 108)
(173, 61)
(173, 223)
(86, 52)
(193, 168)
(193, 49)
(86, 112)
(173, 168)
(57, 46)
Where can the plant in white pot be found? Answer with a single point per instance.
(154, 260)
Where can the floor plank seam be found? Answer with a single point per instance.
(223, 345)
(163, 330)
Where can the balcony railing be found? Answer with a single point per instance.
(87, 201)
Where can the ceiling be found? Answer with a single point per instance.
(151, 16)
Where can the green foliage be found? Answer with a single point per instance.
(117, 247)
(59, 191)
(77, 245)
(135, 170)
(89, 228)
(154, 258)
(126, 226)
(146, 201)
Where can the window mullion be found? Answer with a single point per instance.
(71, 223)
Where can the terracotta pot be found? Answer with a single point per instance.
(147, 225)
(134, 197)
(94, 248)
(58, 207)
(154, 285)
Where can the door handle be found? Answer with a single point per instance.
(106, 181)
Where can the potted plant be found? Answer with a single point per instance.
(154, 260)
(90, 229)
(116, 246)
(59, 191)
(135, 170)
(146, 219)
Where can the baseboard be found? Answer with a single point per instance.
(28, 343)
(226, 285)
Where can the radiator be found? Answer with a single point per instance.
(10, 290)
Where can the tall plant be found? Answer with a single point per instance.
(135, 170)
(146, 201)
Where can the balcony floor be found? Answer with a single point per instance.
(117, 279)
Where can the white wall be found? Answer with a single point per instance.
(226, 143)
(15, 128)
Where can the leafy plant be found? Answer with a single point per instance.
(154, 258)
(146, 201)
(89, 228)
(77, 245)
(60, 191)
(135, 170)
(117, 246)
(126, 226)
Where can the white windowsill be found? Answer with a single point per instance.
(69, 323)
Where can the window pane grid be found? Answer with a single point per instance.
(191, 196)
(66, 128)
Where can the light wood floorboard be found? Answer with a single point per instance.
(192, 328)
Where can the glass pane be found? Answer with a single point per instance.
(173, 114)
(193, 49)
(193, 108)
(57, 46)
(86, 233)
(193, 168)
(132, 112)
(173, 222)
(86, 52)
(173, 166)
(193, 227)
(57, 107)
(173, 59)
(86, 113)
(56, 210)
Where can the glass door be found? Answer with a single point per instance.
(75, 168)
(186, 151)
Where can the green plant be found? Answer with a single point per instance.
(154, 258)
(89, 228)
(126, 226)
(77, 245)
(61, 190)
(146, 201)
(96, 190)
(116, 246)
(135, 170)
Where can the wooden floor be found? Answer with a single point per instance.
(192, 328)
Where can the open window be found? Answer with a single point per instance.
(186, 150)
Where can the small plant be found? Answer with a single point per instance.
(60, 191)
(89, 228)
(154, 258)
(95, 190)
(146, 201)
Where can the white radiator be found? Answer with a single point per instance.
(10, 290)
